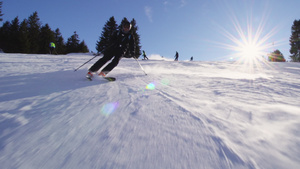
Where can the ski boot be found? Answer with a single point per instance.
(89, 76)
(103, 74)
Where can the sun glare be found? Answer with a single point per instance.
(249, 45)
(250, 50)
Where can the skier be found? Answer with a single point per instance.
(144, 54)
(192, 58)
(52, 47)
(176, 56)
(122, 42)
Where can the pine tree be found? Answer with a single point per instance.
(1, 11)
(46, 36)
(59, 41)
(276, 56)
(295, 42)
(34, 32)
(14, 40)
(105, 40)
(9, 36)
(72, 43)
(75, 46)
(83, 48)
(136, 37)
(4, 36)
(24, 40)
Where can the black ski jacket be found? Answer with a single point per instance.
(123, 44)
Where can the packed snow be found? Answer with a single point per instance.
(182, 115)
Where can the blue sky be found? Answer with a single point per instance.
(198, 28)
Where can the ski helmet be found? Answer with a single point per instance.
(126, 25)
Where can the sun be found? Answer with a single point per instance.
(248, 45)
(250, 50)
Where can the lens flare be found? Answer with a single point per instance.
(109, 108)
(165, 82)
(150, 86)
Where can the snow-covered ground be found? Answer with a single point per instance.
(182, 115)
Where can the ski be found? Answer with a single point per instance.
(111, 79)
(89, 78)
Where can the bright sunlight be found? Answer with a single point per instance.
(250, 50)
(249, 46)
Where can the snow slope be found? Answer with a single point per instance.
(181, 115)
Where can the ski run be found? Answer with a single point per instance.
(182, 115)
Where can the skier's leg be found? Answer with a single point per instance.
(112, 64)
(100, 62)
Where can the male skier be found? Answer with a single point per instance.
(122, 42)
(144, 54)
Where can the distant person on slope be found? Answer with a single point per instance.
(52, 47)
(176, 56)
(123, 42)
(144, 54)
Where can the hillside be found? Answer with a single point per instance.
(181, 115)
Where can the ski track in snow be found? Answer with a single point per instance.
(181, 115)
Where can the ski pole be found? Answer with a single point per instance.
(86, 62)
(140, 66)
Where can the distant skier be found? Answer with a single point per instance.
(52, 47)
(122, 42)
(192, 58)
(176, 56)
(144, 54)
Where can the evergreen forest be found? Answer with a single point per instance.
(30, 36)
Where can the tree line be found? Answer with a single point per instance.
(30, 36)
(277, 56)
